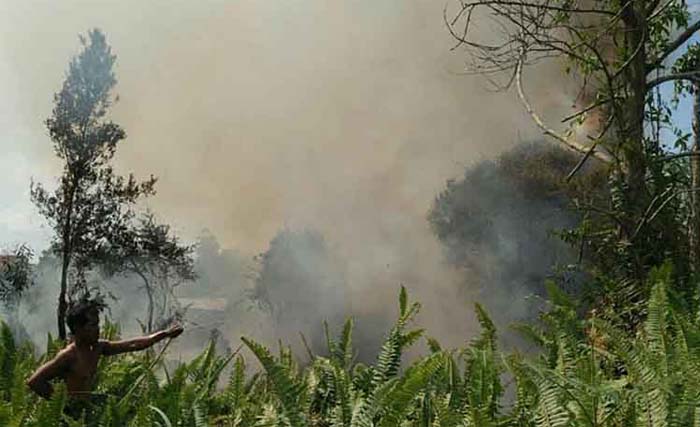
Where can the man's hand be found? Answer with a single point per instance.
(174, 331)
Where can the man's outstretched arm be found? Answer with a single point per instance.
(110, 348)
(39, 382)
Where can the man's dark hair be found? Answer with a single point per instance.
(78, 311)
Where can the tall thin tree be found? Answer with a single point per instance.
(91, 203)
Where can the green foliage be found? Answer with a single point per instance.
(15, 275)
(92, 204)
(589, 373)
(643, 209)
(92, 209)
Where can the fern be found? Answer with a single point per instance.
(286, 388)
(164, 420)
(397, 401)
(344, 351)
(235, 391)
(549, 411)
(49, 411)
(591, 374)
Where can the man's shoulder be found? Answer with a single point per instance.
(65, 357)
(66, 352)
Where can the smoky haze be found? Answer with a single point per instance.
(345, 118)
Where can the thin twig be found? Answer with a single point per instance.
(585, 110)
(579, 165)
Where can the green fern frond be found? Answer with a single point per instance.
(199, 414)
(656, 323)
(345, 352)
(416, 378)
(287, 389)
(164, 420)
(48, 411)
(235, 391)
(550, 412)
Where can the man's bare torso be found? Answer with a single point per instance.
(80, 368)
(76, 364)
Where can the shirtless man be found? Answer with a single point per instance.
(77, 363)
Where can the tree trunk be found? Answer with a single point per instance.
(694, 228)
(632, 136)
(66, 252)
(62, 304)
(149, 293)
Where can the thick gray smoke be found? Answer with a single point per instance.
(300, 283)
(342, 118)
(501, 223)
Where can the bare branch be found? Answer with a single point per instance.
(583, 111)
(537, 26)
(538, 6)
(675, 44)
(653, 15)
(596, 140)
(679, 156)
(580, 164)
(570, 143)
(693, 76)
(649, 217)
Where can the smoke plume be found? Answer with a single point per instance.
(344, 118)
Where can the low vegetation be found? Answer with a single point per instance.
(586, 373)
